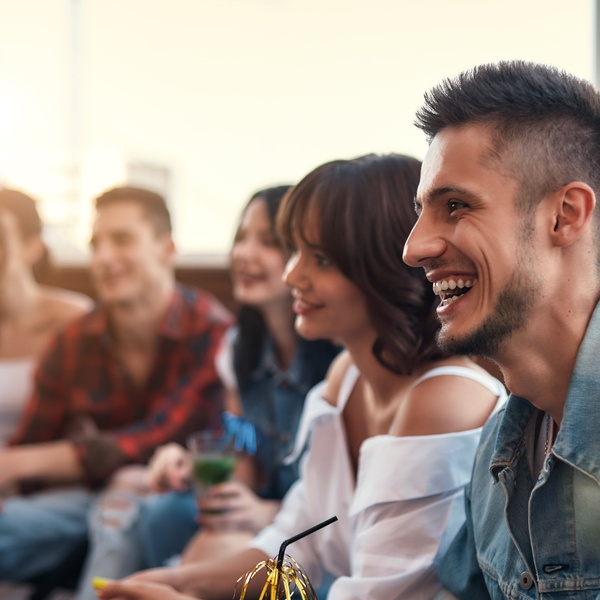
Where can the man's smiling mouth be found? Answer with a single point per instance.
(450, 288)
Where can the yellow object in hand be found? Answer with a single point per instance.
(99, 583)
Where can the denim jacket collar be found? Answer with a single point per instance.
(268, 366)
(578, 439)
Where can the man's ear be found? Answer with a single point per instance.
(170, 251)
(574, 206)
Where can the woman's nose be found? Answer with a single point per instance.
(292, 271)
(242, 249)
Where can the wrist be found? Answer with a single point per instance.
(187, 578)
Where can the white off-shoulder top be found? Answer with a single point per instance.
(396, 520)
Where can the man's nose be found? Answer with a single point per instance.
(101, 252)
(423, 243)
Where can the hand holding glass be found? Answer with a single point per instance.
(213, 460)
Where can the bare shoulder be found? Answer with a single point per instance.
(335, 376)
(63, 306)
(447, 403)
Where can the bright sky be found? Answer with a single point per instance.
(225, 96)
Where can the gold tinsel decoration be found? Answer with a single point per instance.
(290, 578)
(285, 576)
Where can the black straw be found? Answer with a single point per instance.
(299, 536)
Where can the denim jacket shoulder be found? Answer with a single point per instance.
(528, 535)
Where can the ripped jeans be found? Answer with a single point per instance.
(130, 531)
(114, 551)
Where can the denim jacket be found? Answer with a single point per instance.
(529, 537)
(273, 401)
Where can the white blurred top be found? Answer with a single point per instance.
(16, 385)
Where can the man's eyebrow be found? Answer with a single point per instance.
(441, 192)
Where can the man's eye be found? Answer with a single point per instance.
(454, 205)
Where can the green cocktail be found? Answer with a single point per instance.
(213, 461)
(210, 469)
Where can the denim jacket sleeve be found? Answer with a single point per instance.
(459, 570)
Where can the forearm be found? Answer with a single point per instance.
(216, 579)
(52, 462)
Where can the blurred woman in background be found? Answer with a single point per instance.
(30, 313)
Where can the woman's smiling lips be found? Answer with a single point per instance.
(248, 279)
(303, 307)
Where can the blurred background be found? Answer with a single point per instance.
(207, 100)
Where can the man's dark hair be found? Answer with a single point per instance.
(544, 123)
(152, 204)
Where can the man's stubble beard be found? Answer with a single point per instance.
(513, 308)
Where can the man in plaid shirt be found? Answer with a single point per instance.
(135, 373)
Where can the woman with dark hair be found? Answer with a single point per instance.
(30, 313)
(393, 429)
(273, 366)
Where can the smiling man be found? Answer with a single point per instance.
(136, 372)
(508, 236)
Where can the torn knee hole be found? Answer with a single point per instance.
(117, 511)
(112, 522)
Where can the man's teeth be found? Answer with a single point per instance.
(439, 287)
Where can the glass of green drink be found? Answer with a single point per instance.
(213, 460)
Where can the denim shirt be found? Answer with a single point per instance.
(273, 401)
(529, 536)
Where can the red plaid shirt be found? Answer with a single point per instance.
(79, 379)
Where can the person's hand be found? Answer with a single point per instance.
(164, 577)
(170, 468)
(137, 590)
(232, 505)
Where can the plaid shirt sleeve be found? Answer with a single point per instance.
(46, 411)
(189, 396)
